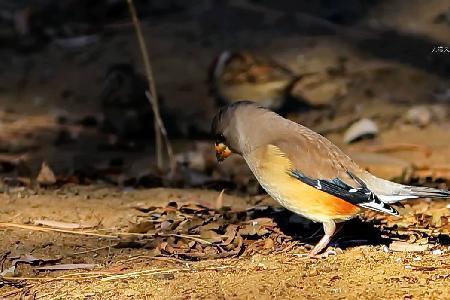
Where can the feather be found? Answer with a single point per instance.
(360, 196)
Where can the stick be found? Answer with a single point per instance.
(158, 124)
(109, 236)
(162, 271)
(88, 251)
(163, 131)
(47, 229)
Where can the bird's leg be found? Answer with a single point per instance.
(330, 230)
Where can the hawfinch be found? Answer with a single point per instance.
(304, 171)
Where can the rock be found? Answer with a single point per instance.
(439, 112)
(318, 90)
(419, 115)
(437, 252)
(361, 129)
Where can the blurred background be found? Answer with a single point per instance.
(80, 183)
(373, 76)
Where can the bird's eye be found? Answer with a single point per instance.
(220, 138)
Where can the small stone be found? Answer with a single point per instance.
(364, 128)
(437, 252)
(319, 90)
(439, 112)
(419, 115)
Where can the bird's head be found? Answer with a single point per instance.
(239, 128)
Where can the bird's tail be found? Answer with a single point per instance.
(414, 192)
(390, 192)
(427, 192)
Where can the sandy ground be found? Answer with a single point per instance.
(360, 272)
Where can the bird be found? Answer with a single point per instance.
(305, 172)
(236, 75)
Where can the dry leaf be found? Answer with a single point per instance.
(46, 176)
(269, 244)
(211, 236)
(219, 200)
(400, 246)
(62, 225)
(142, 227)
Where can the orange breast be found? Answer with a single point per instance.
(271, 168)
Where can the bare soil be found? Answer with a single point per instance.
(365, 271)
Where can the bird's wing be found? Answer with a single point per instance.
(319, 163)
(359, 195)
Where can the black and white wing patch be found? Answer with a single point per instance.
(360, 195)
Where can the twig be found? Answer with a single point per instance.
(108, 277)
(161, 271)
(71, 276)
(160, 258)
(92, 250)
(48, 229)
(158, 124)
(109, 236)
(163, 130)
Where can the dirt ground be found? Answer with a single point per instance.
(365, 271)
(51, 111)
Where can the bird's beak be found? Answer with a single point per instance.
(222, 151)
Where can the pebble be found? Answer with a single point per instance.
(360, 129)
(437, 252)
(419, 115)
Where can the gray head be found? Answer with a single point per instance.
(235, 124)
